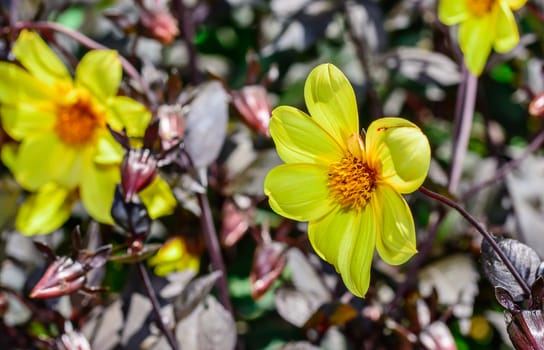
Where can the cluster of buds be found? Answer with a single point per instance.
(66, 275)
(140, 167)
(157, 22)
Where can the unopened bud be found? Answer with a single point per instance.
(268, 263)
(138, 170)
(536, 107)
(171, 125)
(62, 277)
(160, 25)
(253, 105)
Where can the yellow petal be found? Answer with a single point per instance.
(331, 102)
(45, 211)
(401, 151)
(43, 159)
(9, 155)
(173, 256)
(507, 35)
(108, 151)
(100, 72)
(357, 251)
(299, 139)
(17, 86)
(39, 59)
(298, 191)
(133, 115)
(97, 190)
(475, 37)
(396, 235)
(451, 12)
(158, 198)
(26, 120)
(515, 4)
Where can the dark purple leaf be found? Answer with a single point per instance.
(194, 293)
(524, 259)
(206, 124)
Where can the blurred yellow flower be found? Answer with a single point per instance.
(347, 186)
(66, 152)
(174, 255)
(483, 24)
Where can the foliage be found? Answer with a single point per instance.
(144, 203)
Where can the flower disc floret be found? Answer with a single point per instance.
(351, 182)
(347, 187)
(78, 121)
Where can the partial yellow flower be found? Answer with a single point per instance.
(346, 185)
(66, 152)
(174, 255)
(484, 24)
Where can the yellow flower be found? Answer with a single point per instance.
(483, 24)
(174, 255)
(66, 152)
(347, 186)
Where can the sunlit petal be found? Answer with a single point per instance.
(331, 101)
(396, 237)
(452, 11)
(133, 115)
(100, 72)
(108, 151)
(45, 211)
(475, 38)
(158, 198)
(515, 4)
(298, 191)
(357, 250)
(43, 159)
(25, 120)
(36, 56)
(507, 35)
(400, 150)
(299, 139)
(97, 190)
(18, 86)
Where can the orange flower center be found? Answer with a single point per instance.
(351, 182)
(78, 121)
(480, 7)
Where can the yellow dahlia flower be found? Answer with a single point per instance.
(66, 152)
(174, 255)
(346, 185)
(483, 24)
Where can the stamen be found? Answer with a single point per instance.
(77, 122)
(351, 181)
(480, 7)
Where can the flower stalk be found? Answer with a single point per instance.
(486, 235)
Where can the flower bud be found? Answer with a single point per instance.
(160, 25)
(253, 105)
(171, 125)
(62, 277)
(536, 107)
(138, 170)
(268, 263)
